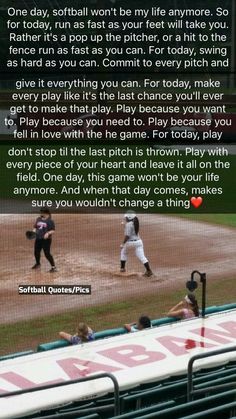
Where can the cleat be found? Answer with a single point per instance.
(53, 269)
(148, 273)
(36, 266)
(122, 270)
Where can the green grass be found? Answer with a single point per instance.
(221, 219)
(28, 335)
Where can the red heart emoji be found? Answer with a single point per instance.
(196, 202)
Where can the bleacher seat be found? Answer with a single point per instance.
(16, 355)
(156, 394)
(229, 379)
(220, 412)
(163, 321)
(74, 408)
(181, 410)
(70, 415)
(157, 407)
(175, 389)
(93, 416)
(108, 333)
(61, 343)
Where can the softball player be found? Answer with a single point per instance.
(44, 228)
(132, 240)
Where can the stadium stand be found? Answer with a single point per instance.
(167, 400)
(121, 330)
(213, 395)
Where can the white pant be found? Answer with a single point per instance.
(138, 246)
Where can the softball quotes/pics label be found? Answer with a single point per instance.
(54, 289)
(116, 106)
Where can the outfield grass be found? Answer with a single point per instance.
(27, 335)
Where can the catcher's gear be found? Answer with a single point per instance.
(30, 235)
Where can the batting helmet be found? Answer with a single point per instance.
(130, 215)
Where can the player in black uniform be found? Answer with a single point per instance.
(44, 228)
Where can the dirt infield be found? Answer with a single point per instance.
(86, 248)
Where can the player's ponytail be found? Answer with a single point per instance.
(136, 225)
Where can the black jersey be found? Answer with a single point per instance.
(43, 226)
